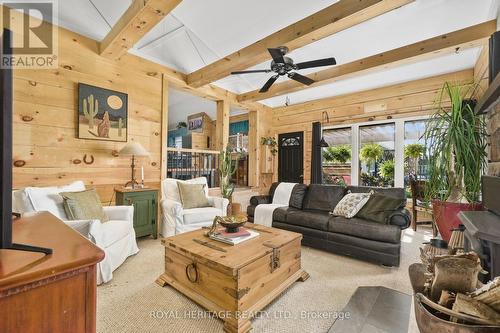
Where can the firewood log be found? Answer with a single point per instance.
(467, 305)
(456, 275)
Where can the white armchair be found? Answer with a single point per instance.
(116, 236)
(176, 219)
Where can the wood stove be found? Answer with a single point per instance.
(482, 233)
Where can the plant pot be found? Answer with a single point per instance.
(446, 215)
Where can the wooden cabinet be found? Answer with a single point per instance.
(48, 293)
(145, 202)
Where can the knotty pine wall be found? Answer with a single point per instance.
(397, 101)
(45, 120)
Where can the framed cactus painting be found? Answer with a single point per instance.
(102, 114)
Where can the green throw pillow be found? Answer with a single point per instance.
(380, 207)
(192, 195)
(84, 205)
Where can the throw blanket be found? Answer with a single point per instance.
(264, 213)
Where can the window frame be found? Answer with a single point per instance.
(399, 124)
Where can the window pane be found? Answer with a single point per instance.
(376, 155)
(416, 162)
(337, 157)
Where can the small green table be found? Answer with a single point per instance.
(145, 201)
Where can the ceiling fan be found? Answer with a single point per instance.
(282, 65)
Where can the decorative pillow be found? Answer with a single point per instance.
(350, 204)
(193, 195)
(380, 207)
(171, 189)
(83, 205)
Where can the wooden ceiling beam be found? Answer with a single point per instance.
(140, 18)
(337, 17)
(469, 37)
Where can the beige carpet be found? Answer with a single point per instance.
(132, 302)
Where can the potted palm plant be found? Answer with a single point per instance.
(456, 137)
(226, 170)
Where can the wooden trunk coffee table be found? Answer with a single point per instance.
(237, 281)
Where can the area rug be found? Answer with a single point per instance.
(133, 302)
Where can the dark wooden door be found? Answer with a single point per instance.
(291, 157)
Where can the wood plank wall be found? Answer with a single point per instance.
(45, 120)
(402, 100)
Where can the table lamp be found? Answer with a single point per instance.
(134, 149)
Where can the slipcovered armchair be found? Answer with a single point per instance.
(176, 219)
(115, 237)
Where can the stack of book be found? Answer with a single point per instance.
(234, 238)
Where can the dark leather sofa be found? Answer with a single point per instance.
(308, 214)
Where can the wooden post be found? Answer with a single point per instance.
(253, 148)
(222, 125)
(164, 143)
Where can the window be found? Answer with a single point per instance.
(337, 157)
(416, 162)
(376, 155)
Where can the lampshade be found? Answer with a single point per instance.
(323, 143)
(134, 148)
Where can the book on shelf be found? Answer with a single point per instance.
(219, 236)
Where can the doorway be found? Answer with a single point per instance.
(291, 157)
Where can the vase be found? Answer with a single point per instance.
(446, 215)
(229, 209)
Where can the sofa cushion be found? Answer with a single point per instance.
(21, 203)
(272, 189)
(113, 231)
(197, 215)
(280, 213)
(313, 233)
(315, 219)
(48, 198)
(323, 197)
(395, 192)
(297, 196)
(364, 229)
(380, 207)
(83, 205)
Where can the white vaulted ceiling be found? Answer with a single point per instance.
(198, 33)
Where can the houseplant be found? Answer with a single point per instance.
(456, 138)
(271, 142)
(387, 171)
(340, 154)
(226, 169)
(413, 152)
(370, 153)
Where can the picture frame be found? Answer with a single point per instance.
(102, 114)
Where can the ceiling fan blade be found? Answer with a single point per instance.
(277, 55)
(316, 63)
(268, 84)
(301, 78)
(253, 71)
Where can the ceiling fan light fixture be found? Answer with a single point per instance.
(282, 66)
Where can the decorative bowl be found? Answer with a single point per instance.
(232, 223)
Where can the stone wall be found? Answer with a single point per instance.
(493, 119)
